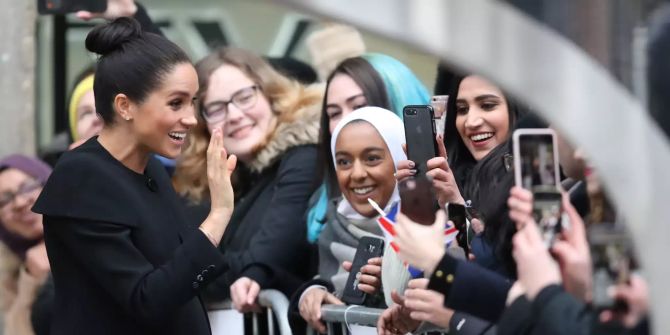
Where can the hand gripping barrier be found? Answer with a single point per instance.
(274, 301)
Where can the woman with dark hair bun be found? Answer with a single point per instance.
(123, 259)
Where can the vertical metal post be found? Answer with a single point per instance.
(60, 73)
(271, 326)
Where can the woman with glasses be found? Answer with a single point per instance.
(272, 124)
(24, 265)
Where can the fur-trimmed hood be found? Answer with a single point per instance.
(304, 129)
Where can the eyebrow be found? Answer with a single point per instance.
(366, 150)
(179, 93)
(349, 99)
(482, 97)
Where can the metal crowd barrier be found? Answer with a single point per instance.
(275, 303)
(349, 315)
(339, 318)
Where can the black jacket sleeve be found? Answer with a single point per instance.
(469, 288)
(146, 291)
(282, 239)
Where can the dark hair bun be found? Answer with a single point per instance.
(108, 37)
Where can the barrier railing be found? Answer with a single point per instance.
(275, 303)
(340, 319)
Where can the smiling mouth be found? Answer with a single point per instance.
(177, 136)
(481, 137)
(362, 190)
(241, 130)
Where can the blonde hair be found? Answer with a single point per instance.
(287, 98)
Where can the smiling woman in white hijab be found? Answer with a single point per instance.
(366, 147)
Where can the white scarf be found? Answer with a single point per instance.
(392, 131)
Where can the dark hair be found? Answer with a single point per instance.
(488, 186)
(374, 90)
(486, 182)
(131, 62)
(460, 158)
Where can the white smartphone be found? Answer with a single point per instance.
(536, 169)
(536, 160)
(439, 103)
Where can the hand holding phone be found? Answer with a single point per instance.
(536, 169)
(368, 247)
(611, 254)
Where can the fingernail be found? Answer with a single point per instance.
(412, 171)
(411, 164)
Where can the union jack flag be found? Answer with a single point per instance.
(387, 223)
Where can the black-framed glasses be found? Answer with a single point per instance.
(243, 99)
(8, 197)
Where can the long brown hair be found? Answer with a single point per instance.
(286, 96)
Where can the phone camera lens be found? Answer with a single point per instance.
(412, 112)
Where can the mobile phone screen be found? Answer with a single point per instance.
(439, 103)
(537, 162)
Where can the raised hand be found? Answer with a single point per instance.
(536, 269)
(219, 169)
(636, 296)
(420, 246)
(444, 181)
(426, 305)
(574, 255)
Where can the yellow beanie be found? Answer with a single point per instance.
(84, 86)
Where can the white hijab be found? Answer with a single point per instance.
(392, 131)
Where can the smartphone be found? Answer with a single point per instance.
(611, 254)
(439, 104)
(62, 7)
(536, 169)
(368, 247)
(417, 199)
(457, 215)
(536, 159)
(420, 135)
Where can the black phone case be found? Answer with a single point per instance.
(457, 215)
(62, 7)
(368, 247)
(420, 135)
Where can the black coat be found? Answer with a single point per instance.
(555, 312)
(267, 236)
(122, 258)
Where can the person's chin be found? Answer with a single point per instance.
(365, 210)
